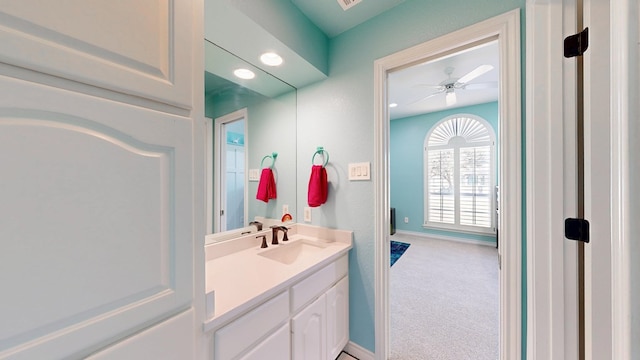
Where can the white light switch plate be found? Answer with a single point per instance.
(360, 171)
(307, 214)
(254, 175)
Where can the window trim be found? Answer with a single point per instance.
(470, 229)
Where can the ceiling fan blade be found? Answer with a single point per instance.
(425, 97)
(479, 86)
(475, 73)
(429, 86)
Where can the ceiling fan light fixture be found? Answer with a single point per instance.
(450, 98)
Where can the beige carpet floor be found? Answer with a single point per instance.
(444, 301)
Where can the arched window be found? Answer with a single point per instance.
(459, 175)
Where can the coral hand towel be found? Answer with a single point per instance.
(318, 186)
(266, 186)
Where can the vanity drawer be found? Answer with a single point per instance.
(240, 334)
(308, 289)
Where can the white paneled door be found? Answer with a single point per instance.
(97, 208)
(579, 300)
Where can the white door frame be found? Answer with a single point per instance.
(208, 157)
(625, 76)
(219, 165)
(506, 29)
(551, 311)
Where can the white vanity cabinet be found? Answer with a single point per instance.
(309, 331)
(308, 319)
(252, 335)
(321, 330)
(337, 317)
(275, 347)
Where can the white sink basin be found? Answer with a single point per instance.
(288, 253)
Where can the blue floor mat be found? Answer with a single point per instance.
(397, 249)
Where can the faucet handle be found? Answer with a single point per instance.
(284, 230)
(264, 241)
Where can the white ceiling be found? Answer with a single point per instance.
(408, 87)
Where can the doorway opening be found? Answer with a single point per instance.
(444, 290)
(230, 204)
(505, 30)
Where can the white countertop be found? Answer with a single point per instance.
(242, 279)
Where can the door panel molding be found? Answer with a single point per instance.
(126, 47)
(98, 218)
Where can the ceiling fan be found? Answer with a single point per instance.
(450, 85)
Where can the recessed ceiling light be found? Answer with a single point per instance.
(244, 74)
(392, 105)
(271, 59)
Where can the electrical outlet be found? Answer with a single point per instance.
(285, 209)
(307, 214)
(406, 220)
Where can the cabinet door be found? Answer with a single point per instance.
(95, 221)
(309, 332)
(99, 198)
(338, 317)
(275, 347)
(241, 334)
(139, 48)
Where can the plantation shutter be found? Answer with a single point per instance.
(441, 186)
(459, 175)
(475, 186)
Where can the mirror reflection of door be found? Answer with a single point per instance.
(230, 162)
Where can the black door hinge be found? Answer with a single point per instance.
(576, 45)
(576, 229)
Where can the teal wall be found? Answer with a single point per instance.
(300, 34)
(338, 113)
(406, 166)
(272, 128)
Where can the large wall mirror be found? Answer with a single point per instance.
(251, 125)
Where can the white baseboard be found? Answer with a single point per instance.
(358, 351)
(446, 238)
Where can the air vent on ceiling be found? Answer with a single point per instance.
(348, 4)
